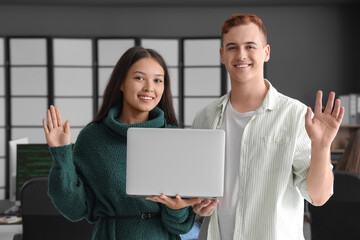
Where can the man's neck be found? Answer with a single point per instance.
(247, 96)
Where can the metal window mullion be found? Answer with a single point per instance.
(7, 115)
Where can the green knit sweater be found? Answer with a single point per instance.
(89, 182)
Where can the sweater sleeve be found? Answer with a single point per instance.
(177, 221)
(67, 188)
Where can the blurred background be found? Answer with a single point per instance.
(62, 53)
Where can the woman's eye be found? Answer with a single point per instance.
(139, 78)
(158, 81)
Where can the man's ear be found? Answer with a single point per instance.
(221, 55)
(267, 53)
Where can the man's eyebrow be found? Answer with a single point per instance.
(253, 43)
(230, 44)
(234, 44)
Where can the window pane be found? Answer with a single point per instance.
(168, 49)
(2, 142)
(110, 50)
(29, 81)
(176, 107)
(77, 110)
(35, 135)
(104, 77)
(2, 82)
(2, 111)
(73, 81)
(2, 172)
(192, 106)
(2, 52)
(174, 81)
(202, 52)
(26, 51)
(74, 134)
(202, 82)
(72, 52)
(28, 111)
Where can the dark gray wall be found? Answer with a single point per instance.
(312, 47)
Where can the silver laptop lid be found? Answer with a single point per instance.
(189, 162)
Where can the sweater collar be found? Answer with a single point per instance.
(156, 120)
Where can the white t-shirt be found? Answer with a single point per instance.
(234, 124)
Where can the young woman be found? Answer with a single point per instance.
(89, 181)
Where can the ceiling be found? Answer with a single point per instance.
(188, 3)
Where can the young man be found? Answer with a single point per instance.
(277, 150)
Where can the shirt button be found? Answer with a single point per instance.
(276, 139)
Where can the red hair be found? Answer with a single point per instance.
(242, 19)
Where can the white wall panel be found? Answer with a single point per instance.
(167, 48)
(2, 81)
(29, 81)
(35, 135)
(72, 52)
(77, 110)
(27, 51)
(2, 111)
(110, 50)
(2, 142)
(192, 106)
(174, 81)
(104, 77)
(202, 52)
(28, 111)
(202, 82)
(73, 82)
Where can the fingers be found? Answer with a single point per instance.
(174, 202)
(308, 116)
(341, 114)
(46, 129)
(330, 103)
(318, 102)
(59, 118)
(53, 116)
(50, 122)
(67, 126)
(206, 207)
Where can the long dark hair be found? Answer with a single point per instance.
(113, 95)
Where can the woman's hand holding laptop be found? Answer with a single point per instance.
(175, 202)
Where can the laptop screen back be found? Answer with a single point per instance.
(189, 162)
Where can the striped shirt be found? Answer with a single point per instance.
(274, 162)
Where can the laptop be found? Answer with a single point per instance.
(188, 162)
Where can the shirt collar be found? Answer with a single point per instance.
(270, 102)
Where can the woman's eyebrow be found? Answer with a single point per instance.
(158, 74)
